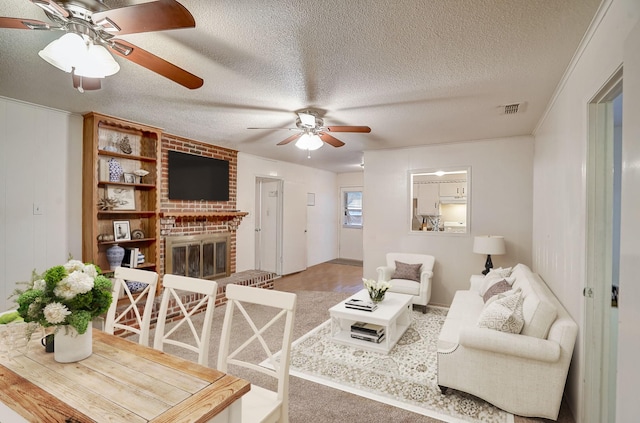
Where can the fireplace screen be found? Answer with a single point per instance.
(198, 256)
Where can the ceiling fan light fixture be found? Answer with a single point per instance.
(309, 142)
(62, 53)
(97, 63)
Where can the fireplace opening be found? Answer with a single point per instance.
(204, 256)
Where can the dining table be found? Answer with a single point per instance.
(121, 381)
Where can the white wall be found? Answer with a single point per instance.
(322, 219)
(559, 241)
(500, 200)
(40, 162)
(350, 239)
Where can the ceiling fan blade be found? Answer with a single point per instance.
(364, 129)
(145, 17)
(51, 7)
(330, 140)
(156, 64)
(85, 84)
(288, 140)
(18, 23)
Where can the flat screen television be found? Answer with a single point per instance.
(193, 177)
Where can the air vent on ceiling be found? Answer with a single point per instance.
(512, 108)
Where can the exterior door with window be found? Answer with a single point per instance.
(351, 223)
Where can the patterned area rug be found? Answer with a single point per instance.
(405, 378)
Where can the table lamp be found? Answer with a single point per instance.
(488, 244)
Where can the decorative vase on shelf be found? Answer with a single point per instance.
(115, 255)
(115, 170)
(71, 346)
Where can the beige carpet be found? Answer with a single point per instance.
(309, 401)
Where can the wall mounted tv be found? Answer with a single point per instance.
(194, 177)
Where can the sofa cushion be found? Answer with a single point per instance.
(405, 286)
(492, 278)
(539, 311)
(496, 288)
(407, 271)
(504, 314)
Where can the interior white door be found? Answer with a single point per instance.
(629, 331)
(294, 228)
(267, 204)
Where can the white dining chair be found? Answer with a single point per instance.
(173, 286)
(118, 312)
(260, 404)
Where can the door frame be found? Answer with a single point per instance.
(597, 404)
(259, 180)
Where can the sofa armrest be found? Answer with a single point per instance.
(425, 275)
(384, 273)
(517, 345)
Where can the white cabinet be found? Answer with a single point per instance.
(428, 197)
(453, 189)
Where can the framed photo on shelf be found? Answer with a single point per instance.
(129, 178)
(121, 230)
(124, 197)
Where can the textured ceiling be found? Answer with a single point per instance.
(415, 71)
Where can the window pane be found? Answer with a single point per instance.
(352, 208)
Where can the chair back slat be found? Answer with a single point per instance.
(277, 353)
(173, 286)
(116, 319)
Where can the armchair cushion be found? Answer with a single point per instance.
(405, 286)
(407, 271)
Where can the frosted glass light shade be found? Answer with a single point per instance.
(97, 63)
(309, 142)
(62, 53)
(72, 51)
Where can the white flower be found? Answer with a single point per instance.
(90, 270)
(73, 265)
(40, 284)
(374, 285)
(74, 284)
(56, 313)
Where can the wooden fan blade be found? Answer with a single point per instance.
(156, 64)
(364, 129)
(85, 84)
(18, 23)
(145, 17)
(288, 140)
(330, 140)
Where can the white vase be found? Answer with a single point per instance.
(69, 346)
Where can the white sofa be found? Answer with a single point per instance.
(523, 373)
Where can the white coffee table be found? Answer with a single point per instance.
(394, 313)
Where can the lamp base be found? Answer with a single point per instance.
(488, 265)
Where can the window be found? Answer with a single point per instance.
(352, 208)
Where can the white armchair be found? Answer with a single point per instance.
(416, 280)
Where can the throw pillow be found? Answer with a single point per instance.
(495, 289)
(135, 286)
(504, 314)
(504, 272)
(492, 278)
(407, 271)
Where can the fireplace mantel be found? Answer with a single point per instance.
(220, 215)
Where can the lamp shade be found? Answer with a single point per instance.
(309, 142)
(489, 244)
(62, 53)
(96, 63)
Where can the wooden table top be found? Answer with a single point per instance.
(121, 381)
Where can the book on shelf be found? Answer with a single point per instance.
(130, 257)
(358, 304)
(369, 338)
(368, 328)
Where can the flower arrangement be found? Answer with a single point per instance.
(70, 294)
(376, 289)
